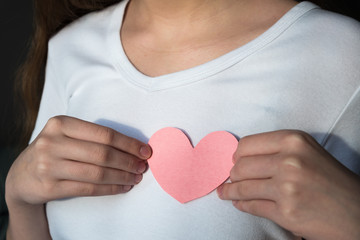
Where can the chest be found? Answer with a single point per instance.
(156, 58)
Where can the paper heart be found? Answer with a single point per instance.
(187, 173)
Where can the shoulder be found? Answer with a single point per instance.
(325, 42)
(321, 50)
(329, 29)
(84, 31)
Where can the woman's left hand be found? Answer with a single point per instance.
(287, 177)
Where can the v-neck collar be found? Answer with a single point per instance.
(200, 72)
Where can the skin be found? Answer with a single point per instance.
(165, 36)
(69, 158)
(286, 176)
(276, 175)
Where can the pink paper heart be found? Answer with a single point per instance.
(187, 173)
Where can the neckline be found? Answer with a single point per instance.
(129, 72)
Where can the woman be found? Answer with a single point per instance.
(248, 67)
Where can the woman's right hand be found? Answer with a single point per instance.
(70, 158)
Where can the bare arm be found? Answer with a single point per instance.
(23, 220)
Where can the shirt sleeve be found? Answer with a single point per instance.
(343, 141)
(53, 100)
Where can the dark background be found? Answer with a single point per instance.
(16, 28)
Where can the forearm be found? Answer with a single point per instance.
(27, 222)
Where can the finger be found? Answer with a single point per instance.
(83, 172)
(260, 208)
(79, 129)
(254, 167)
(248, 190)
(258, 144)
(68, 188)
(271, 142)
(99, 154)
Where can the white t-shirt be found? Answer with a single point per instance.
(302, 73)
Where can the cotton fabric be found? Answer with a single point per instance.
(302, 73)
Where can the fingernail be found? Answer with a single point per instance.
(141, 167)
(138, 178)
(145, 151)
(127, 187)
(219, 191)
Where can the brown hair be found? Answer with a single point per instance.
(50, 16)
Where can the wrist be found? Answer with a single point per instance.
(27, 221)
